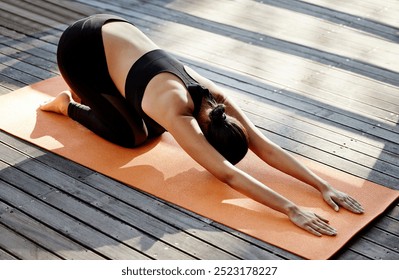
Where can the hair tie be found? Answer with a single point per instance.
(218, 114)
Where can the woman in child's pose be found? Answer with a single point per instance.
(130, 91)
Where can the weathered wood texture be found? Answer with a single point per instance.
(318, 77)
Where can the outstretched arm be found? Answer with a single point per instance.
(275, 156)
(278, 158)
(188, 134)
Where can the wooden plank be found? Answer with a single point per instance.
(67, 225)
(21, 26)
(59, 11)
(251, 39)
(375, 251)
(74, 8)
(15, 74)
(349, 255)
(385, 12)
(39, 22)
(394, 213)
(309, 31)
(47, 40)
(9, 65)
(352, 20)
(38, 47)
(110, 226)
(26, 62)
(28, 150)
(56, 218)
(42, 46)
(53, 241)
(389, 240)
(22, 247)
(389, 224)
(6, 256)
(8, 84)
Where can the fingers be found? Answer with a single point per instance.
(336, 199)
(313, 231)
(323, 219)
(352, 205)
(325, 228)
(319, 230)
(311, 222)
(319, 226)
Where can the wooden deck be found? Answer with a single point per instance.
(321, 78)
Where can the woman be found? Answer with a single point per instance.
(133, 91)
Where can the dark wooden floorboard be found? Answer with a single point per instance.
(327, 90)
(63, 222)
(41, 234)
(26, 249)
(6, 256)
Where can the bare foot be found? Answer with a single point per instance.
(59, 104)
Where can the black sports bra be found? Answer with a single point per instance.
(150, 65)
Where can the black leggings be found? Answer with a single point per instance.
(82, 63)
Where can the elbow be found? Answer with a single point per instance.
(238, 180)
(229, 176)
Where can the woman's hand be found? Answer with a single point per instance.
(335, 198)
(311, 222)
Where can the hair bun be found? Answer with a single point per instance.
(218, 114)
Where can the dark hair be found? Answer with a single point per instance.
(226, 134)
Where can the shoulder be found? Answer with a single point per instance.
(217, 93)
(165, 99)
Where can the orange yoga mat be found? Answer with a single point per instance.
(164, 170)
